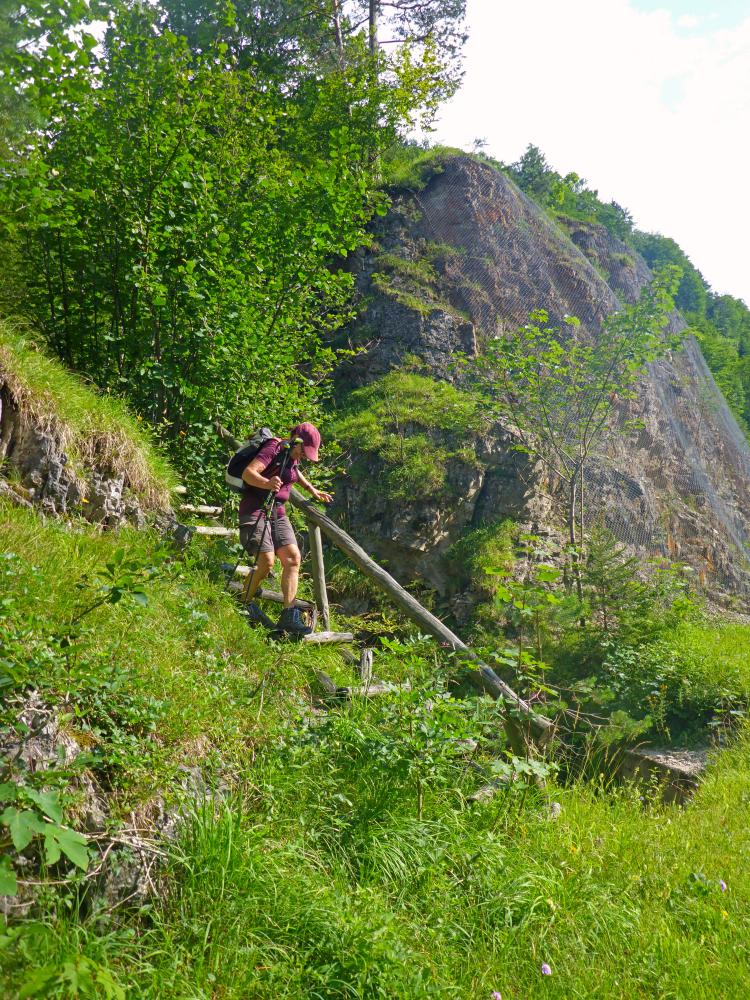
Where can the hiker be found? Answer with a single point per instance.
(268, 471)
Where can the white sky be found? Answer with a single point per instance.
(649, 100)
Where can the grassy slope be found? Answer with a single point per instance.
(187, 657)
(93, 428)
(318, 878)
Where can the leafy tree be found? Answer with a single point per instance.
(534, 175)
(559, 390)
(659, 251)
(179, 216)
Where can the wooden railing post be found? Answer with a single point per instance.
(318, 573)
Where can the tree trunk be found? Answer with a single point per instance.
(575, 555)
(336, 9)
(373, 30)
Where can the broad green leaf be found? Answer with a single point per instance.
(8, 791)
(71, 843)
(23, 825)
(37, 981)
(48, 802)
(547, 574)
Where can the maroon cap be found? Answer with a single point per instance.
(310, 436)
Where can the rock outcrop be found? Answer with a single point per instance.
(35, 469)
(468, 258)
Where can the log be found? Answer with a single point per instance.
(333, 690)
(243, 570)
(318, 574)
(349, 657)
(482, 676)
(328, 685)
(201, 508)
(318, 638)
(181, 491)
(235, 587)
(216, 531)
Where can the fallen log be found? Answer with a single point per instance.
(235, 587)
(215, 530)
(346, 693)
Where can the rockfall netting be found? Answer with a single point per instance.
(679, 487)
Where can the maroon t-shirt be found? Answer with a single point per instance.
(272, 456)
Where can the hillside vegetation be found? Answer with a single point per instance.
(344, 859)
(93, 430)
(186, 813)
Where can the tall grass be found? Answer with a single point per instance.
(347, 860)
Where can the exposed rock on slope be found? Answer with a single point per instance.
(469, 257)
(97, 469)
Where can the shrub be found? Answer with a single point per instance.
(415, 426)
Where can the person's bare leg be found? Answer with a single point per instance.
(254, 580)
(290, 558)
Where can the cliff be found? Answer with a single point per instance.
(468, 257)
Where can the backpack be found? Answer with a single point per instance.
(245, 454)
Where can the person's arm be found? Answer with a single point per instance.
(314, 493)
(253, 476)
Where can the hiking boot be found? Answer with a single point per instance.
(253, 613)
(291, 621)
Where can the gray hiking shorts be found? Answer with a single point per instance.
(278, 534)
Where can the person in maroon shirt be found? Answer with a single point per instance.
(265, 473)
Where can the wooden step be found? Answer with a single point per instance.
(243, 571)
(341, 693)
(216, 531)
(318, 638)
(203, 509)
(235, 587)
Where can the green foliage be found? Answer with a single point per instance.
(720, 322)
(559, 390)
(141, 677)
(413, 282)
(481, 552)
(568, 195)
(416, 426)
(176, 228)
(410, 166)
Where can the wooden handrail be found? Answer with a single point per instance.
(479, 674)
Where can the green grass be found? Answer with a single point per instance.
(94, 429)
(416, 426)
(411, 168)
(481, 551)
(318, 879)
(151, 687)
(347, 861)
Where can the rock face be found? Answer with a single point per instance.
(475, 256)
(37, 471)
(131, 848)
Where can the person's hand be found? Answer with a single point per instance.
(322, 496)
(275, 483)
